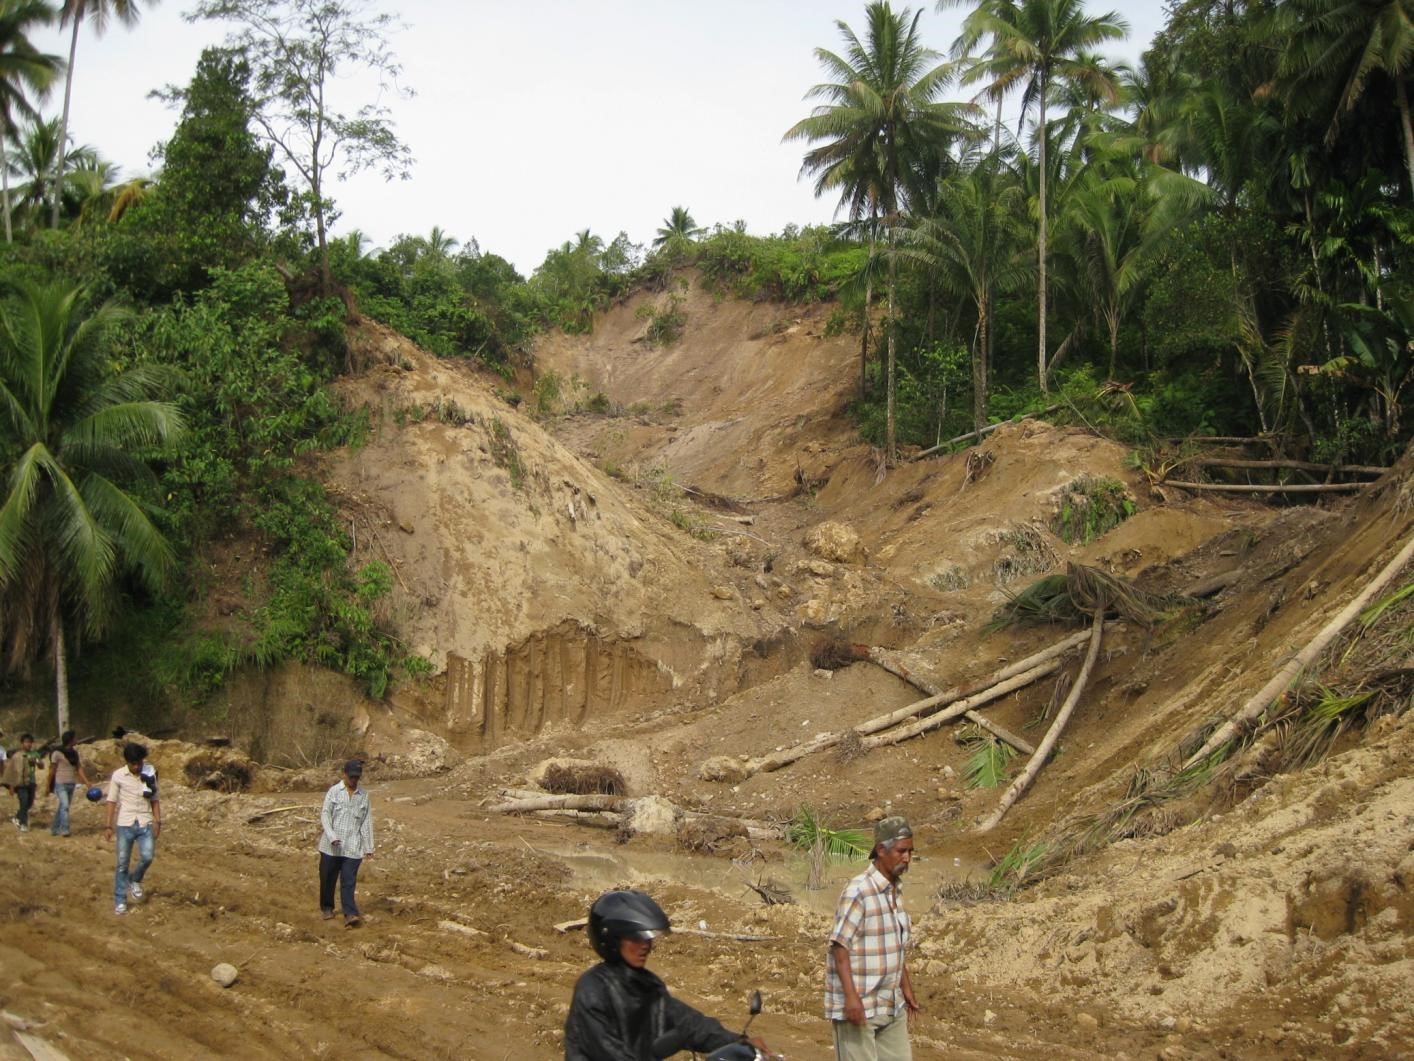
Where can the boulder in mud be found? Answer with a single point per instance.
(709, 833)
(225, 974)
(726, 768)
(651, 816)
(835, 541)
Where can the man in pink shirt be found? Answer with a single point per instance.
(136, 811)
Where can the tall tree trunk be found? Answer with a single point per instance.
(1405, 126)
(61, 674)
(864, 337)
(1041, 248)
(5, 187)
(890, 443)
(979, 364)
(54, 190)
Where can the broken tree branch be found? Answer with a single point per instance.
(1048, 743)
(1282, 680)
(272, 811)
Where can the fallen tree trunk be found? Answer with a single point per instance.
(1281, 681)
(597, 819)
(978, 434)
(1266, 488)
(1305, 466)
(899, 671)
(962, 707)
(776, 760)
(739, 937)
(1048, 743)
(572, 802)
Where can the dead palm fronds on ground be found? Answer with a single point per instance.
(990, 760)
(1070, 597)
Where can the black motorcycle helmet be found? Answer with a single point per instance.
(621, 915)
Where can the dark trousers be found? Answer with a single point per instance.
(344, 870)
(25, 794)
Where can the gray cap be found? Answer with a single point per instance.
(891, 829)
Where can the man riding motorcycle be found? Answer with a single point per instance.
(621, 1011)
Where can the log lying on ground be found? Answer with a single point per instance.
(900, 671)
(974, 697)
(740, 937)
(978, 434)
(1266, 488)
(1281, 681)
(1305, 466)
(963, 707)
(1048, 743)
(613, 811)
(569, 802)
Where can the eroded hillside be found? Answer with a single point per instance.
(580, 604)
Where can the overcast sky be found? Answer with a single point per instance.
(532, 121)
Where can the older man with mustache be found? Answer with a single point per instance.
(868, 996)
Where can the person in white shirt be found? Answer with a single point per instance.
(136, 811)
(345, 841)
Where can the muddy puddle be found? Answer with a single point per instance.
(597, 870)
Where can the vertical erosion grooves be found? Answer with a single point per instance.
(565, 674)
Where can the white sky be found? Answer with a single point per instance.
(533, 120)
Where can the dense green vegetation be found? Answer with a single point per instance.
(1214, 242)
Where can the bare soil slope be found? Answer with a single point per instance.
(620, 620)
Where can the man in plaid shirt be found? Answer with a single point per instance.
(868, 996)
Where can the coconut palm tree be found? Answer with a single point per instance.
(879, 108)
(73, 516)
(74, 12)
(33, 163)
(1341, 45)
(679, 229)
(1031, 45)
(439, 244)
(972, 243)
(24, 69)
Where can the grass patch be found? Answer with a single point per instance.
(950, 579)
(1025, 553)
(1090, 508)
(505, 453)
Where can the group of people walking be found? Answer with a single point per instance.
(134, 809)
(620, 1011)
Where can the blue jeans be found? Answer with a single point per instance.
(60, 825)
(146, 849)
(344, 870)
(25, 794)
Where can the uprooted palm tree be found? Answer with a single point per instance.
(76, 513)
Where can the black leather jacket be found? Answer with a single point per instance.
(621, 1014)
